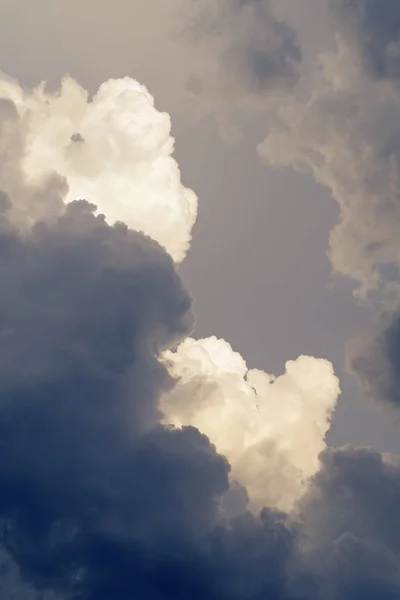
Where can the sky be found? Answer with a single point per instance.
(199, 313)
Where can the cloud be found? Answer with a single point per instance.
(243, 57)
(372, 28)
(346, 136)
(29, 202)
(13, 587)
(373, 357)
(348, 526)
(99, 500)
(114, 149)
(258, 421)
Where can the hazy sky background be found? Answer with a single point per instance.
(257, 267)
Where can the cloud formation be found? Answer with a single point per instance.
(258, 421)
(99, 500)
(114, 149)
(96, 498)
(345, 134)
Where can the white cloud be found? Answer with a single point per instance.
(271, 429)
(114, 150)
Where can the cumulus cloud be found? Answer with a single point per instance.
(346, 135)
(253, 59)
(258, 421)
(114, 149)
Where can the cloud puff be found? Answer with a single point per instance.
(346, 136)
(114, 149)
(258, 421)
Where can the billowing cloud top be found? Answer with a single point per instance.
(113, 149)
(259, 422)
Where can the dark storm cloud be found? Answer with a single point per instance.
(374, 27)
(96, 499)
(374, 358)
(349, 532)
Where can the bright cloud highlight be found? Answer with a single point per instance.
(114, 150)
(271, 429)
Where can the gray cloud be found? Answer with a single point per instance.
(253, 57)
(28, 201)
(374, 358)
(346, 136)
(373, 28)
(80, 295)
